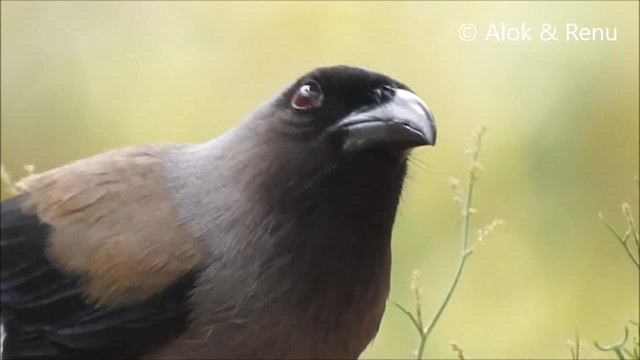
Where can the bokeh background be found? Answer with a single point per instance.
(79, 78)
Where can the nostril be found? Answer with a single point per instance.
(384, 93)
(388, 91)
(377, 94)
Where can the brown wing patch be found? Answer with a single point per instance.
(115, 223)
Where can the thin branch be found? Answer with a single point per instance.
(466, 214)
(616, 348)
(458, 350)
(475, 171)
(409, 315)
(626, 210)
(621, 239)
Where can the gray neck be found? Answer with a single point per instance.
(284, 219)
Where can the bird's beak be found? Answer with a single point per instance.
(402, 122)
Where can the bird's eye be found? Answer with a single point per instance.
(308, 96)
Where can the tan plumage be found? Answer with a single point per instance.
(114, 223)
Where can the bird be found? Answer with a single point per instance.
(272, 240)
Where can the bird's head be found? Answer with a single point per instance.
(334, 128)
(348, 112)
(334, 141)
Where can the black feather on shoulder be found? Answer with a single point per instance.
(46, 315)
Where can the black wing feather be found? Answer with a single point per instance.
(44, 311)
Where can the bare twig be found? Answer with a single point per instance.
(617, 347)
(631, 224)
(574, 347)
(475, 171)
(622, 239)
(458, 350)
(465, 201)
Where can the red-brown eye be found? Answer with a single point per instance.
(308, 96)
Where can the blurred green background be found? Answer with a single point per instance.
(79, 78)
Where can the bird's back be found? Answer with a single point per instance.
(90, 266)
